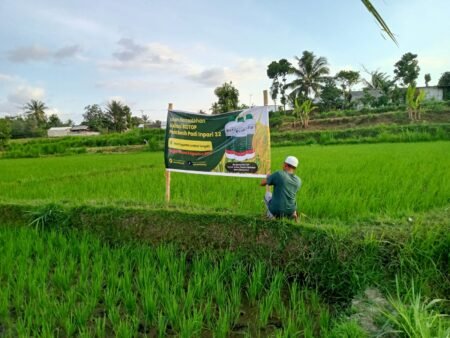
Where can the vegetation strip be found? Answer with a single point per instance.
(339, 261)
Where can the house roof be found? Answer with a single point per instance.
(79, 128)
(59, 128)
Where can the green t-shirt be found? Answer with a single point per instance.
(285, 188)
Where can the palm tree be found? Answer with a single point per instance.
(310, 74)
(379, 80)
(36, 109)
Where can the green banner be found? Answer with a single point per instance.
(230, 144)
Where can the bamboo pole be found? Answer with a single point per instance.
(167, 174)
(266, 103)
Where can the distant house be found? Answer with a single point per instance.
(58, 131)
(153, 125)
(431, 93)
(71, 131)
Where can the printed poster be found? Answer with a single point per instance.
(231, 144)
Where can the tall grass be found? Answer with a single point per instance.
(410, 315)
(350, 182)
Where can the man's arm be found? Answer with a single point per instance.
(266, 181)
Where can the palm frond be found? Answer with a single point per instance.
(380, 20)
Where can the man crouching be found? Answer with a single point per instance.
(286, 184)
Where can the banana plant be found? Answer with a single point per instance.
(414, 101)
(303, 111)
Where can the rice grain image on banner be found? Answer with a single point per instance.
(251, 126)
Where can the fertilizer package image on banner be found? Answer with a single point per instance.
(229, 144)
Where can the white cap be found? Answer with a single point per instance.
(292, 161)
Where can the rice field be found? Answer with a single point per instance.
(72, 284)
(339, 182)
(64, 282)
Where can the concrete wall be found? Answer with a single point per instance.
(433, 93)
(58, 132)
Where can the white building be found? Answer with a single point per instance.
(58, 131)
(71, 131)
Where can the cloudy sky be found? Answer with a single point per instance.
(148, 53)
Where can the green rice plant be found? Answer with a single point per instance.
(162, 325)
(70, 326)
(126, 328)
(114, 318)
(171, 307)
(223, 323)
(347, 329)
(191, 324)
(149, 300)
(266, 307)
(100, 326)
(4, 303)
(412, 316)
(256, 283)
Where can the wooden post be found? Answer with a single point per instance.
(266, 97)
(168, 172)
(167, 186)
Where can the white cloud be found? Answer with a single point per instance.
(23, 94)
(240, 72)
(134, 85)
(6, 78)
(18, 97)
(209, 77)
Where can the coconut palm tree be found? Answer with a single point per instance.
(36, 109)
(310, 74)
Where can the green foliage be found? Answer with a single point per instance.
(347, 78)
(310, 75)
(330, 95)
(413, 316)
(5, 132)
(118, 116)
(75, 284)
(377, 134)
(277, 71)
(78, 144)
(303, 111)
(95, 118)
(36, 109)
(444, 80)
(228, 99)
(427, 79)
(25, 127)
(407, 69)
(414, 99)
(54, 121)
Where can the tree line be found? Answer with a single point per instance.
(310, 79)
(34, 122)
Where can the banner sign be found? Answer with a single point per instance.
(230, 144)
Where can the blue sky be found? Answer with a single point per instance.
(149, 53)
